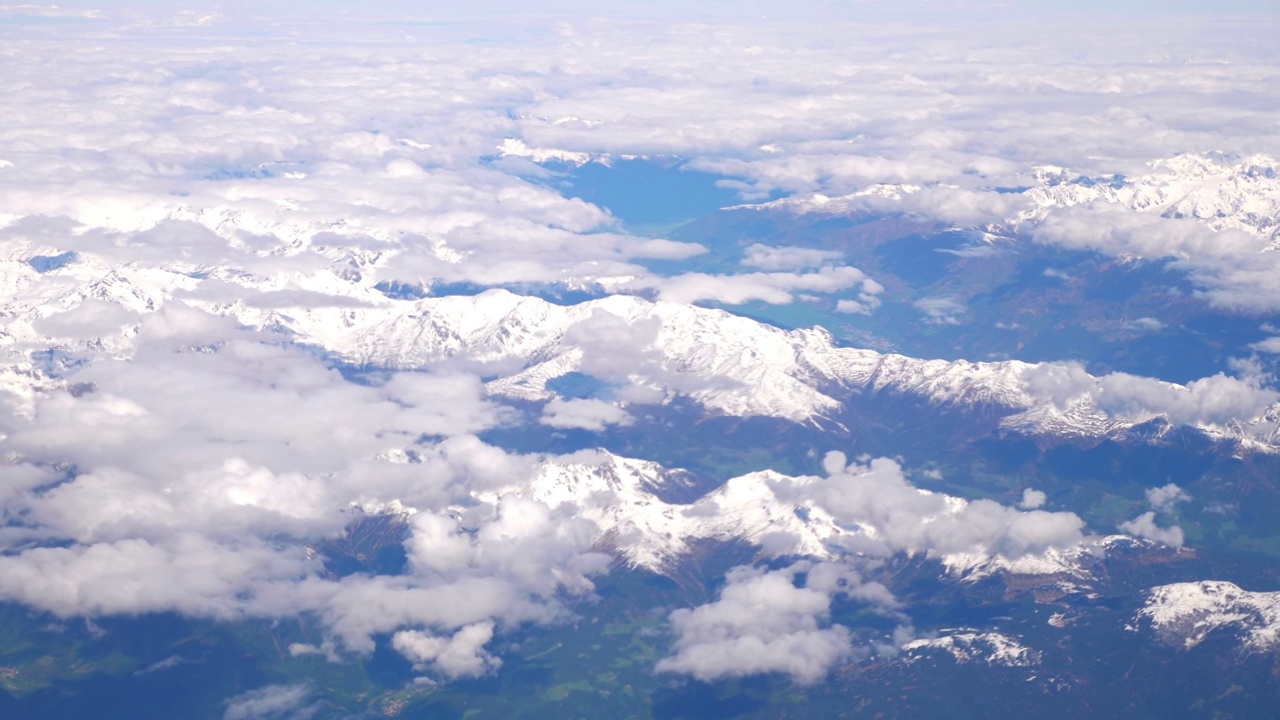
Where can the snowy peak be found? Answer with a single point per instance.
(966, 646)
(1225, 192)
(808, 516)
(641, 352)
(1185, 614)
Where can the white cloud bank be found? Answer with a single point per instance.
(194, 463)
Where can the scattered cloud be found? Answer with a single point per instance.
(586, 414)
(764, 622)
(1144, 526)
(941, 310)
(776, 288)
(273, 702)
(1032, 499)
(1165, 499)
(462, 655)
(770, 258)
(905, 518)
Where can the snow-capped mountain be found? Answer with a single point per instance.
(648, 351)
(618, 494)
(1186, 613)
(991, 648)
(780, 514)
(1071, 569)
(1225, 192)
(729, 364)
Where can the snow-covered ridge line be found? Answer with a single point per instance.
(821, 518)
(1224, 192)
(991, 648)
(653, 351)
(1187, 613)
(646, 352)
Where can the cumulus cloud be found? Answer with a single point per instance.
(776, 621)
(764, 622)
(1267, 345)
(904, 518)
(1215, 399)
(586, 414)
(206, 470)
(461, 655)
(852, 307)
(1032, 499)
(1166, 498)
(1144, 526)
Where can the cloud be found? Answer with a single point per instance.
(1144, 526)
(462, 655)
(852, 307)
(273, 702)
(586, 414)
(953, 120)
(91, 319)
(1145, 324)
(769, 258)
(763, 622)
(941, 310)
(233, 178)
(1165, 499)
(903, 518)
(776, 288)
(1032, 499)
(209, 463)
(277, 299)
(1217, 399)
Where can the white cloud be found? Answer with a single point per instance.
(763, 622)
(587, 414)
(904, 518)
(852, 307)
(1267, 345)
(1144, 526)
(273, 702)
(461, 655)
(195, 177)
(93, 318)
(770, 258)
(941, 310)
(1032, 499)
(1166, 498)
(1217, 399)
(777, 288)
